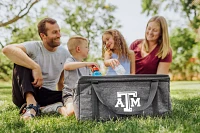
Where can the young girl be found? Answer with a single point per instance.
(115, 52)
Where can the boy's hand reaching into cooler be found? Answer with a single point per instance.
(91, 64)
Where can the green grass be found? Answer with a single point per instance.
(185, 117)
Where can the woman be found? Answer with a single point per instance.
(153, 55)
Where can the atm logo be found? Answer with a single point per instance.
(131, 100)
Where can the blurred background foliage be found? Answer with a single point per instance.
(89, 18)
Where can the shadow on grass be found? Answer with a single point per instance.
(5, 87)
(6, 92)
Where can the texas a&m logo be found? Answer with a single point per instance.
(130, 100)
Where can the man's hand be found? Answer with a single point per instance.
(37, 76)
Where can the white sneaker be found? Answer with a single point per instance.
(52, 108)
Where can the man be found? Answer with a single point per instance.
(38, 68)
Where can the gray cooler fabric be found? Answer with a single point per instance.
(110, 97)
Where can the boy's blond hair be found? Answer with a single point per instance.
(75, 41)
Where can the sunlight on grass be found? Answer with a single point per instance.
(2, 102)
(185, 89)
(185, 84)
(4, 84)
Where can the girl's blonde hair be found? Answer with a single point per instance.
(163, 40)
(119, 44)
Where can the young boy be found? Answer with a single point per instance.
(75, 67)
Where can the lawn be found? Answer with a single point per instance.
(185, 117)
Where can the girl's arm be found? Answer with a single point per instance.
(132, 62)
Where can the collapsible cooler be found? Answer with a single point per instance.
(110, 97)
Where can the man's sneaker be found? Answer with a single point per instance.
(52, 108)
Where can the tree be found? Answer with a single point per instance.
(5, 68)
(88, 18)
(185, 53)
(189, 9)
(27, 33)
(15, 19)
(12, 16)
(14, 10)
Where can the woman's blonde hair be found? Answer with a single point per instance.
(119, 43)
(163, 40)
(75, 41)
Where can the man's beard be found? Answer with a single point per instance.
(53, 43)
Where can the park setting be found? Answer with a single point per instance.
(90, 19)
